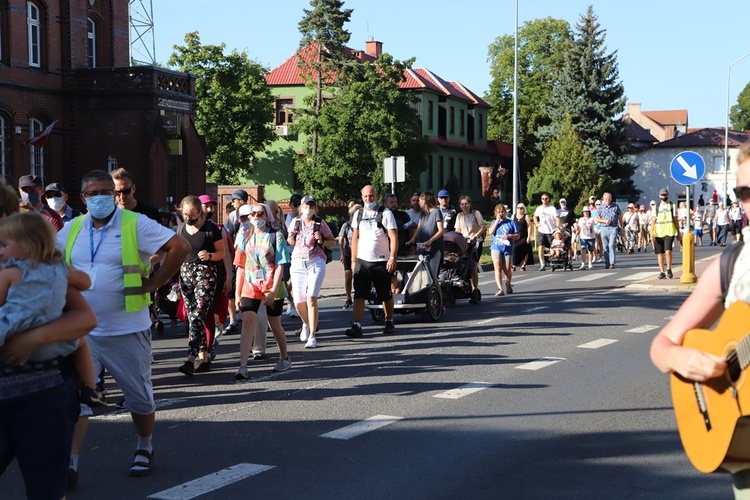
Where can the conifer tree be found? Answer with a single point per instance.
(589, 91)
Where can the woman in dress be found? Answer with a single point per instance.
(198, 282)
(523, 254)
(308, 233)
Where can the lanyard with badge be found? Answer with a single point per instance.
(92, 270)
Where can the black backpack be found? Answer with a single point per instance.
(316, 227)
(378, 218)
(726, 266)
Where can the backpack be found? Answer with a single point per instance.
(316, 227)
(378, 218)
(726, 266)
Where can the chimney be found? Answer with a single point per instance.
(634, 109)
(373, 48)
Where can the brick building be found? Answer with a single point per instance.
(66, 64)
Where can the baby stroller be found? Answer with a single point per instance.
(166, 300)
(458, 267)
(563, 260)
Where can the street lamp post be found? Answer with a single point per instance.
(515, 115)
(726, 129)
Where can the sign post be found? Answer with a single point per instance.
(394, 170)
(687, 168)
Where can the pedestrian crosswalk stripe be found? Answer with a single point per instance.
(596, 344)
(362, 427)
(211, 482)
(539, 363)
(642, 329)
(637, 276)
(591, 277)
(464, 390)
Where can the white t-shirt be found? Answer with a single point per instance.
(547, 218)
(106, 296)
(373, 245)
(586, 228)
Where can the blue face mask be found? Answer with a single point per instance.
(246, 224)
(100, 206)
(372, 205)
(32, 198)
(259, 223)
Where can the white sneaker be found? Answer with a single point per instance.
(591, 266)
(583, 266)
(283, 365)
(291, 311)
(305, 333)
(311, 343)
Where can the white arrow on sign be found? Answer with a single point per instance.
(690, 171)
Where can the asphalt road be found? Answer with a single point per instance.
(546, 393)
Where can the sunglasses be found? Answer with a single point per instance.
(520, 208)
(125, 192)
(742, 193)
(51, 195)
(102, 192)
(258, 214)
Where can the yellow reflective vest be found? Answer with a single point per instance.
(132, 267)
(665, 224)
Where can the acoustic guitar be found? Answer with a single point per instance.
(713, 417)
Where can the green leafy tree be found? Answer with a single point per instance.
(324, 26)
(367, 119)
(235, 106)
(542, 44)
(739, 115)
(567, 170)
(589, 91)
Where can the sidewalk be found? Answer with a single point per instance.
(674, 284)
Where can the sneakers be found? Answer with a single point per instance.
(591, 266)
(388, 328)
(188, 368)
(258, 355)
(662, 276)
(231, 328)
(542, 267)
(72, 479)
(283, 365)
(203, 367)
(241, 374)
(214, 346)
(354, 332)
(348, 304)
(508, 288)
(120, 405)
(311, 343)
(583, 266)
(304, 333)
(669, 274)
(291, 311)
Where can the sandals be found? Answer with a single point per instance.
(499, 293)
(523, 268)
(512, 268)
(142, 463)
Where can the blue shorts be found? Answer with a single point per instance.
(698, 232)
(586, 244)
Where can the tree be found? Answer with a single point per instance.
(590, 93)
(323, 26)
(542, 44)
(367, 119)
(739, 115)
(235, 106)
(567, 170)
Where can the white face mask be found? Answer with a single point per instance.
(57, 203)
(307, 213)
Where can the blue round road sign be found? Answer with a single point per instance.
(687, 168)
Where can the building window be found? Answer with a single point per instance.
(462, 119)
(471, 174)
(284, 114)
(33, 21)
(481, 126)
(91, 43)
(718, 164)
(4, 144)
(111, 162)
(452, 119)
(440, 173)
(36, 155)
(430, 177)
(430, 113)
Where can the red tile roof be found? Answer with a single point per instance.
(471, 95)
(670, 117)
(288, 73)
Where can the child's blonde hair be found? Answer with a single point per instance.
(34, 234)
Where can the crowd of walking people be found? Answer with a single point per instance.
(113, 257)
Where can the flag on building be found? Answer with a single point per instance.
(38, 140)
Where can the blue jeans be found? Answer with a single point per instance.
(37, 430)
(609, 242)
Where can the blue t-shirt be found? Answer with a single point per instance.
(500, 242)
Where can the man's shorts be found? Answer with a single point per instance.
(664, 244)
(543, 240)
(587, 244)
(369, 274)
(698, 232)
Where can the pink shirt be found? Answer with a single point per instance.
(305, 246)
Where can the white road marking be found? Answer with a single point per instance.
(576, 299)
(540, 363)
(534, 309)
(646, 268)
(669, 317)
(638, 276)
(591, 277)
(362, 427)
(642, 329)
(486, 321)
(596, 344)
(211, 482)
(464, 390)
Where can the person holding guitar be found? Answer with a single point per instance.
(707, 379)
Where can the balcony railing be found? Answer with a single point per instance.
(142, 78)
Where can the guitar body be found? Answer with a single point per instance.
(713, 417)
